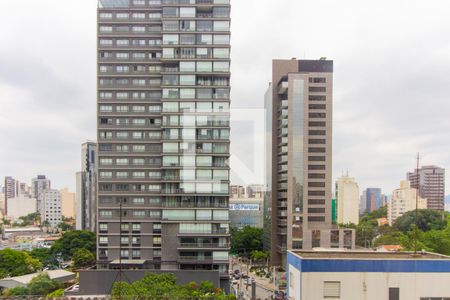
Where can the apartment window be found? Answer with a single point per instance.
(106, 213)
(317, 89)
(122, 15)
(317, 80)
(139, 2)
(187, 12)
(170, 39)
(122, 55)
(105, 15)
(316, 202)
(332, 289)
(316, 176)
(138, 16)
(124, 254)
(105, 108)
(221, 53)
(317, 132)
(316, 158)
(317, 124)
(124, 240)
(103, 226)
(105, 174)
(156, 240)
(138, 28)
(106, 29)
(170, 12)
(122, 43)
(221, 25)
(136, 227)
(317, 106)
(316, 141)
(316, 150)
(136, 253)
(317, 98)
(316, 193)
(317, 115)
(103, 240)
(316, 219)
(105, 42)
(105, 95)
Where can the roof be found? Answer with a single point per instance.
(128, 262)
(22, 229)
(368, 262)
(11, 282)
(371, 255)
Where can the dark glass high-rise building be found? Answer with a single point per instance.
(163, 133)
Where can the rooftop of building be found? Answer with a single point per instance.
(369, 255)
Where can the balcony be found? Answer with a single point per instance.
(283, 87)
(203, 245)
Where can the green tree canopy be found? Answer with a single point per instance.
(44, 255)
(40, 285)
(17, 263)
(83, 258)
(163, 286)
(71, 241)
(246, 240)
(427, 219)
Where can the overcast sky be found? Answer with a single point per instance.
(392, 82)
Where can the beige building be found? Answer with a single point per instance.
(347, 198)
(404, 200)
(67, 203)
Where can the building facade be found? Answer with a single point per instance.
(67, 203)
(10, 190)
(404, 200)
(430, 181)
(163, 133)
(51, 208)
(86, 195)
(247, 211)
(373, 199)
(20, 206)
(355, 275)
(347, 200)
(39, 184)
(301, 158)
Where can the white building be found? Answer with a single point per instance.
(347, 199)
(51, 207)
(39, 184)
(20, 206)
(404, 200)
(351, 275)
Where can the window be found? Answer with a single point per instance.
(103, 226)
(332, 289)
(103, 240)
(170, 39)
(136, 227)
(124, 253)
(187, 12)
(122, 15)
(105, 15)
(105, 42)
(106, 28)
(221, 26)
(139, 2)
(317, 89)
(221, 39)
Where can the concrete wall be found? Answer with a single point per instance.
(374, 286)
(21, 206)
(99, 282)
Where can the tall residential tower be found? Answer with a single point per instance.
(430, 181)
(301, 158)
(163, 133)
(86, 200)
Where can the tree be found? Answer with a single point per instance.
(163, 286)
(389, 238)
(71, 241)
(83, 258)
(427, 219)
(44, 255)
(246, 240)
(65, 227)
(437, 241)
(259, 256)
(17, 263)
(40, 285)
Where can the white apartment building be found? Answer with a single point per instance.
(404, 200)
(51, 207)
(347, 199)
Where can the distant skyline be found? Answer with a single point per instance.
(391, 89)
